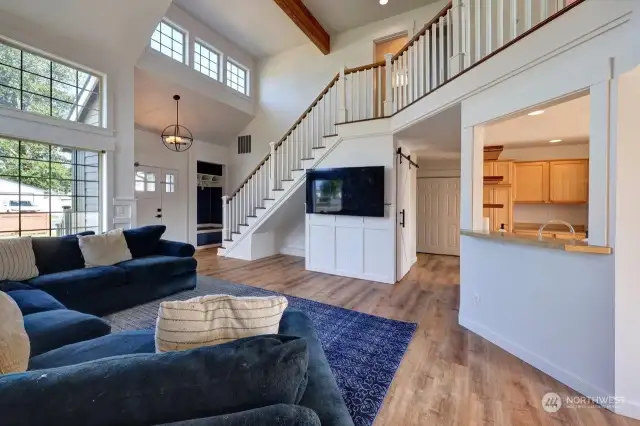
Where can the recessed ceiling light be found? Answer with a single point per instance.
(383, 2)
(555, 140)
(538, 112)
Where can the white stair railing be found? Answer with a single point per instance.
(464, 33)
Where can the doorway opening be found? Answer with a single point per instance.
(209, 204)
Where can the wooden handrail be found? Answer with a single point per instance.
(423, 31)
(364, 67)
(291, 129)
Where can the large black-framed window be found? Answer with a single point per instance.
(48, 190)
(33, 83)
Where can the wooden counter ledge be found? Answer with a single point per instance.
(550, 243)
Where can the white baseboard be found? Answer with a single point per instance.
(292, 251)
(539, 362)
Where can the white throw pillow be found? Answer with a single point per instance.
(17, 260)
(215, 319)
(14, 342)
(104, 249)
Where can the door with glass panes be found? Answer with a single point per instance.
(157, 203)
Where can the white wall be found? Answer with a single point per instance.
(544, 153)
(358, 247)
(150, 151)
(627, 211)
(438, 167)
(529, 303)
(291, 80)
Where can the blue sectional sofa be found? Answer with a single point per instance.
(158, 268)
(118, 379)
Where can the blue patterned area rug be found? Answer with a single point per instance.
(364, 351)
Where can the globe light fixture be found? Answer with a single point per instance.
(175, 137)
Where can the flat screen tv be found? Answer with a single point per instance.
(350, 191)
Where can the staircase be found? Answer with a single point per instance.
(464, 34)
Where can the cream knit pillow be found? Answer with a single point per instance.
(17, 260)
(212, 320)
(104, 249)
(14, 342)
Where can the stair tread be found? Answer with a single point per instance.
(319, 147)
(330, 136)
(278, 189)
(252, 216)
(227, 240)
(308, 158)
(287, 180)
(261, 208)
(297, 170)
(233, 232)
(269, 199)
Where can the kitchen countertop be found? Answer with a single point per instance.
(575, 246)
(552, 227)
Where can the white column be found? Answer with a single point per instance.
(342, 97)
(388, 98)
(458, 32)
(226, 229)
(272, 169)
(471, 183)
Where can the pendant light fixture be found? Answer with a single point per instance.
(175, 137)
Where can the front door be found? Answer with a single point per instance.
(157, 196)
(405, 252)
(439, 216)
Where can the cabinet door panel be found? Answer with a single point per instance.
(569, 181)
(531, 182)
(502, 195)
(486, 199)
(503, 168)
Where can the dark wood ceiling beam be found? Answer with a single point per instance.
(300, 15)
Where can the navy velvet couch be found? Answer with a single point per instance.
(81, 375)
(158, 268)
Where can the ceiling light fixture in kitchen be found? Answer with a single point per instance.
(538, 112)
(555, 140)
(383, 2)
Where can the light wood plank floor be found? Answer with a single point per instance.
(449, 376)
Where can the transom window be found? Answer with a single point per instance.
(145, 181)
(47, 190)
(205, 60)
(169, 40)
(236, 77)
(36, 84)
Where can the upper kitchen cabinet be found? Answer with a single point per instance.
(569, 181)
(531, 182)
(559, 182)
(499, 169)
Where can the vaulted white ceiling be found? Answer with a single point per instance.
(259, 26)
(337, 16)
(263, 29)
(122, 27)
(208, 119)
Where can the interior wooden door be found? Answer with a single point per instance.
(531, 182)
(438, 222)
(569, 181)
(392, 46)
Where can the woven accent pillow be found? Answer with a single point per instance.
(215, 319)
(104, 249)
(14, 342)
(17, 260)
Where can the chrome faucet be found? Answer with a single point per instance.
(573, 231)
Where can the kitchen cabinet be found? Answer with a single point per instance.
(498, 194)
(531, 182)
(499, 168)
(569, 181)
